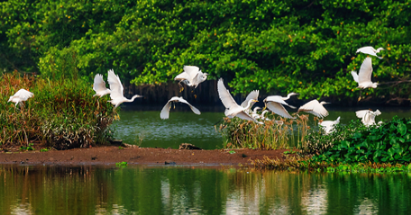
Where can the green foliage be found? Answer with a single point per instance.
(302, 46)
(121, 164)
(29, 147)
(44, 150)
(387, 143)
(62, 114)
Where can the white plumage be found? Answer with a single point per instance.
(251, 96)
(117, 94)
(328, 125)
(165, 112)
(232, 108)
(21, 96)
(363, 78)
(367, 116)
(192, 76)
(275, 104)
(100, 86)
(314, 107)
(370, 51)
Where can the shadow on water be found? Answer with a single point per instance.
(178, 190)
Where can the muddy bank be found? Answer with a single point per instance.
(113, 154)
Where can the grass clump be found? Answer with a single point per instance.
(62, 114)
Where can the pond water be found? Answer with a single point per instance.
(191, 190)
(145, 128)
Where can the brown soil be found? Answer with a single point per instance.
(114, 154)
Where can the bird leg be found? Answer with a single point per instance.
(359, 98)
(181, 87)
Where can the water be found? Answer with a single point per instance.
(192, 190)
(146, 129)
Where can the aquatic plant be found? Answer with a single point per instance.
(62, 114)
(278, 133)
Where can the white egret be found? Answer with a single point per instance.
(232, 108)
(192, 76)
(275, 104)
(251, 96)
(367, 116)
(100, 86)
(370, 50)
(21, 96)
(165, 112)
(254, 114)
(364, 75)
(117, 90)
(328, 125)
(314, 107)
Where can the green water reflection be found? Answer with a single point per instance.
(193, 190)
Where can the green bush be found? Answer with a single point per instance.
(62, 114)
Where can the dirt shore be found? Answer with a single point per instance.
(158, 156)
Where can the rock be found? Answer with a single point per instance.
(168, 162)
(189, 146)
(130, 146)
(116, 142)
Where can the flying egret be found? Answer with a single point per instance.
(314, 107)
(117, 90)
(100, 86)
(367, 116)
(328, 125)
(192, 76)
(275, 104)
(165, 112)
(251, 96)
(21, 96)
(370, 50)
(364, 75)
(232, 108)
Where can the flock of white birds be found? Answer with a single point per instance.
(192, 77)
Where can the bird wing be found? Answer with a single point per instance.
(277, 99)
(355, 76)
(225, 96)
(245, 116)
(279, 109)
(23, 94)
(194, 109)
(251, 96)
(366, 50)
(361, 113)
(182, 76)
(165, 112)
(315, 108)
(99, 83)
(364, 75)
(377, 112)
(115, 85)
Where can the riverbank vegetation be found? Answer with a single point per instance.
(62, 114)
(307, 47)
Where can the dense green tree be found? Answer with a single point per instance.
(305, 46)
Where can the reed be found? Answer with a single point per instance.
(277, 133)
(62, 114)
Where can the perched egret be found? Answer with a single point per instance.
(275, 104)
(21, 96)
(314, 107)
(370, 50)
(100, 86)
(232, 108)
(192, 76)
(165, 112)
(364, 75)
(328, 125)
(254, 114)
(116, 95)
(368, 116)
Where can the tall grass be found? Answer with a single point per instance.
(277, 133)
(62, 114)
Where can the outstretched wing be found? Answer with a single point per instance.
(251, 96)
(364, 75)
(355, 76)
(315, 108)
(24, 94)
(225, 96)
(245, 116)
(277, 108)
(194, 109)
(277, 99)
(115, 85)
(361, 113)
(99, 84)
(165, 112)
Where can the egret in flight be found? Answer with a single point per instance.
(232, 108)
(314, 107)
(251, 96)
(364, 75)
(117, 90)
(21, 96)
(328, 125)
(367, 116)
(100, 86)
(165, 112)
(370, 50)
(275, 104)
(192, 76)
